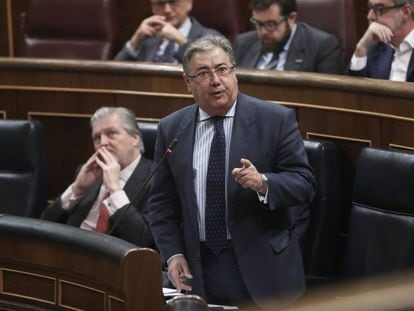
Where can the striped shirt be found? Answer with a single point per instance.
(203, 138)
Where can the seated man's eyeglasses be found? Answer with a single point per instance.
(380, 9)
(205, 74)
(269, 25)
(162, 3)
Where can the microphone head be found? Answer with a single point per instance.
(172, 146)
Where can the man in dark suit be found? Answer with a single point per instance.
(385, 51)
(163, 36)
(108, 181)
(280, 42)
(251, 252)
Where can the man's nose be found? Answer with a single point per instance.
(104, 140)
(371, 16)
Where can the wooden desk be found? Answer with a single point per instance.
(49, 266)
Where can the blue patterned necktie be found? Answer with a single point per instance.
(168, 56)
(215, 222)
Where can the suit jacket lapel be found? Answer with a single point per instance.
(241, 142)
(383, 69)
(410, 70)
(186, 135)
(254, 55)
(296, 54)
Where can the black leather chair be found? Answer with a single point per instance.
(187, 303)
(149, 133)
(225, 16)
(321, 247)
(71, 29)
(380, 236)
(23, 169)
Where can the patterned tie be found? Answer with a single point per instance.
(169, 54)
(216, 236)
(102, 223)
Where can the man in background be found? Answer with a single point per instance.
(386, 48)
(281, 42)
(163, 36)
(108, 181)
(226, 204)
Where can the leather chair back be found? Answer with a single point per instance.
(321, 249)
(336, 17)
(149, 131)
(23, 169)
(380, 235)
(72, 29)
(225, 16)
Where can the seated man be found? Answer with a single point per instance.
(163, 36)
(282, 43)
(386, 48)
(108, 181)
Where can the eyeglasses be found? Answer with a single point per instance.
(269, 25)
(162, 3)
(221, 71)
(380, 9)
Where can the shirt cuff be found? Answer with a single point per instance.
(263, 198)
(116, 201)
(131, 51)
(172, 257)
(358, 63)
(68, 198)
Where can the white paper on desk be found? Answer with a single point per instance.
(221, 307)
(169, 292)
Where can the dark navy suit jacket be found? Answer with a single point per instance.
(379, 61)
(266, 247)
(311, 50)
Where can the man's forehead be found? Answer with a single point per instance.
(380, 2)
(163, 1)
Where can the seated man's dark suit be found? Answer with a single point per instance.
(149, 46)
(133, 227)
(311, 50)
(379, 61)
(266, 248)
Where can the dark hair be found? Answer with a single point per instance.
(286, 6)
(204, 44)
(128, 120)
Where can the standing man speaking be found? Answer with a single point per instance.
(224, 205)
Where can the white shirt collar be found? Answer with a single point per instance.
(127, 171)
(185, 27)
(202, 115)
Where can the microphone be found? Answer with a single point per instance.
(168, 151)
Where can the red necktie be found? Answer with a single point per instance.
(102, 223)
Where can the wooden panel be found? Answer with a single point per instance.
(79, 297)
(28, 285)
(49, 266)
(63, 94)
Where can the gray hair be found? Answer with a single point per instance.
(410, 2)
(128, 121)
(204, 44)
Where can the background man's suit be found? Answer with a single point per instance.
(267, 250)
(133, 227)
(379, 60)
(149, 46)
(311, 50)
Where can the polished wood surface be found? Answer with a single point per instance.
(49, 266)
(353, 112)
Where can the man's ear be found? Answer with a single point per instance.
(187, 82)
